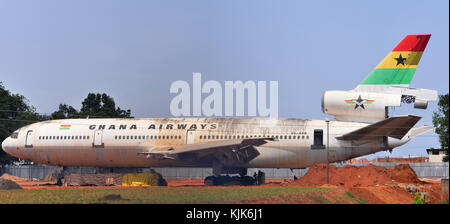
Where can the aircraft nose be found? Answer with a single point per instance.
(8, 147)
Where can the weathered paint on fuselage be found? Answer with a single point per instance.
(76, 145)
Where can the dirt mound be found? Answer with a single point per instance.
(357, 176)
(13, 178)
(8, 184)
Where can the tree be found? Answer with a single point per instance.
(440, 121)
(14, 113)
(95, 106)
(102, 105)
(65, 111)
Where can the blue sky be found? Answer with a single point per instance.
(56, 52)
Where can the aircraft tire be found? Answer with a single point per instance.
(210, 181)
(247, 181)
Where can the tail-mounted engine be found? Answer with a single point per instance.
(372, 106)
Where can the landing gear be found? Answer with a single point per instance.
(226, 180)
(229, 181)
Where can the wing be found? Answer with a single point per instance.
(395, 127)
(232, 152)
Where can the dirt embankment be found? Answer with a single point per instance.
(375, 184)
(357, 176)
(8, 184)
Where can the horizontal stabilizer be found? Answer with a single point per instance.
(416, 131)
(395, 127)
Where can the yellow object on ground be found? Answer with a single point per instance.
(143, 179)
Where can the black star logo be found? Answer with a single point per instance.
(360, 102)
(400, 60)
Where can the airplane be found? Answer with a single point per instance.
(361, 126)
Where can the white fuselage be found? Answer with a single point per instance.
(120, 142)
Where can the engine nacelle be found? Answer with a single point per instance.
(420, 104)
(359, 106)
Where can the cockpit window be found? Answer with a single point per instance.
(15, 135)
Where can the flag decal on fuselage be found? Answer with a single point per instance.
(359, 102)
(64, 127)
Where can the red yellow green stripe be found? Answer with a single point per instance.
(64, 127)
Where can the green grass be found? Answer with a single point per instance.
(350, 194)
(362, 201)
(146, 195)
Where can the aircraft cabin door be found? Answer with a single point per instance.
(98, 139)
(190, 137)
(29, 139)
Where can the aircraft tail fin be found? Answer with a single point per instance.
(399, 66)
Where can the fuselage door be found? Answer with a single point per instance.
(29, 139)
(98, 139)
(190, 137)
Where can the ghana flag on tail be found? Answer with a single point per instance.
(399, 66)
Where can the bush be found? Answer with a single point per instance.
(418, 199)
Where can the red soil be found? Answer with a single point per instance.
(357, 176)
(373, 183)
